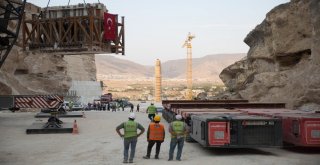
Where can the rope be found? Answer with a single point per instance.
(45, 10)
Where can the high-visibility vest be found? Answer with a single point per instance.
(156, 131)
(178, 127)
(130, 129)
(152, 109)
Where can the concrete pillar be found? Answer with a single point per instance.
(157, 91)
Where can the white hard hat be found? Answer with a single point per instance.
(132, 116)
(178, 117)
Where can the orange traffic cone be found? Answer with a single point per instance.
(75, 128)
(83, 115)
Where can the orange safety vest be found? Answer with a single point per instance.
(156, 131)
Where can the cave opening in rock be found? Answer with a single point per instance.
(21, 71)
(289, 60)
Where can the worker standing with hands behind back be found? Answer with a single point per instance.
(155, 135)
(151, 110)
(130, 136)
(178, 130)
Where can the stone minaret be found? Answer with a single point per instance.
(157, 91)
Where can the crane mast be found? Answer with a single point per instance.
(188, 45)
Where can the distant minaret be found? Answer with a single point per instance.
(157, 91)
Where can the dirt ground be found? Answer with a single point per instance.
(98, 144)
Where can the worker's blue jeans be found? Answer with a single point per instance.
(127, 143)
(173, 143)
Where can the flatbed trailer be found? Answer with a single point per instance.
(224, 105)
(300, 128)
(171, 109)
(167, 102)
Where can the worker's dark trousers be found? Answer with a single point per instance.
(150, 145)
(151, 116)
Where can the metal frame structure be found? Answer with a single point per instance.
(71, 35)
(12, 15)
(188, 44)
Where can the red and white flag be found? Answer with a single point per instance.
(110, 26)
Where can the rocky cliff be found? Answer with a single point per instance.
(283, 62)
(42, 73)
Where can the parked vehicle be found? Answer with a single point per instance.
(159, 109)
(65, 106)
(77, 107)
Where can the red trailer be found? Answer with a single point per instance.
(300, 128)
(235, 130)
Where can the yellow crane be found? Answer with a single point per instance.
(187, 44)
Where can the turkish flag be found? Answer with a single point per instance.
(110, 26)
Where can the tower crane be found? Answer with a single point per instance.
(188, 45)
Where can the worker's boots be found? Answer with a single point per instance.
(156, 157)
(146, 157)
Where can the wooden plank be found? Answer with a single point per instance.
(45, 33)
(83, 30)
(66, 33)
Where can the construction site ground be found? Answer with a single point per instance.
(98, 144)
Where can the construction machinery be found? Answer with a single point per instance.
(217, 123)
(236, 130)
(188, 45)
(238, 123)
(300, 128)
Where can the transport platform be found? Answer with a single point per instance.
(60, 115)
(38, 128)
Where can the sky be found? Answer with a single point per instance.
(157, 29)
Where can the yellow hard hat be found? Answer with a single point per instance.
(157, 118)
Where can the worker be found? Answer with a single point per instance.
(155, 134)
(131, 108)
(70, 105)
(151, 110)
(178, 130)
(138, 107)
(114, 107)
(130, 136)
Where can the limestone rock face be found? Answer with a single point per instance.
(33, 73)
(283, 63)
(81, 67)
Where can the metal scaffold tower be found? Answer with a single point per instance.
(187, 44)
(11, 12)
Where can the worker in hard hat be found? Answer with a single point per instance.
(178, 130)
(152, 111)
(155, 135)
(130, 136)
